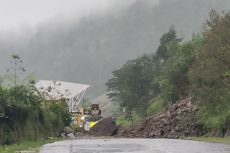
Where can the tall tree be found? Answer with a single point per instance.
(173, 76)
(162, 51)
(210, 73)
(132, 84)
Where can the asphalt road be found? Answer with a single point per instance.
(133, 146)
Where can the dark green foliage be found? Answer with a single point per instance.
(163, 52)
(132, 85)
(173, 77)
(24, 114)
(198, 68)
(28, 117)
(160, 77)
(209, 74)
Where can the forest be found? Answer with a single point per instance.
(87, 50)
(198, 68)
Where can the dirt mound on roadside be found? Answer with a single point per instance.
(105, 127)
(178, 120)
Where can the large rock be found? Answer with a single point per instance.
(105, 127)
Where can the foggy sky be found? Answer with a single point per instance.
(15, 14)
(83, 41)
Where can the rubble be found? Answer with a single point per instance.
(70, 135)
(105, 127)
(177, 121)
(68, 132)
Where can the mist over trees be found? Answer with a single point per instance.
(168, 59)
(198, 68)
(87, 51)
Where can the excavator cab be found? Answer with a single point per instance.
(91, 117)
(95, 111)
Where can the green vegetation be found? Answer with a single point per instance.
(199, 68)
(24, 114)
(156, 106)
(124, 120)
(209, 74)
(212, 139)
(131, 84)
(25, 145)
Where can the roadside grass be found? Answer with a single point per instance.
(123, 122)
(30, 146)
(225, 140)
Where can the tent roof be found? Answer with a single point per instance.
(60, 89)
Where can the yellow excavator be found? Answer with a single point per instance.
(87, 118)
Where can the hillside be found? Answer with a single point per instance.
(89, 50)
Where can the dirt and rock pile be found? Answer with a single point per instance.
(177, 121)
(105, 127)
(69, 133)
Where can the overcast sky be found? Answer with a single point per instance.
(17, 13)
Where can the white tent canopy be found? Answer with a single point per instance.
(56, 90)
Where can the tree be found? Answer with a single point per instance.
(16, 66)
(162, 52)
(132, 84)
(210, 73)
(173, 75)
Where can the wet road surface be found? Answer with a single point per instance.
(133, 146)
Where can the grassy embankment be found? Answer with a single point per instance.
(32, 146)
(225, 140)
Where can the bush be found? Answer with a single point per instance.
(156, 105)
(26, 116)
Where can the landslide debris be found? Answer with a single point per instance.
(177, 121)
(69, 133)
(105, 127)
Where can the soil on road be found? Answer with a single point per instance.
(133, 146)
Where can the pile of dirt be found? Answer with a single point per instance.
(177, 121)
(105, 127)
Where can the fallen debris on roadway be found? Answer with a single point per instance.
(177, 121)
(105, 127)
